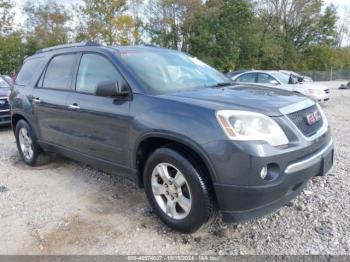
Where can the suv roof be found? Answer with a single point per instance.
(52, 48)
(94, 44)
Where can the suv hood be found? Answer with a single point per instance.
(264, 100)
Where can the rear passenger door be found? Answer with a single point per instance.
(100, 124)
(50, 100)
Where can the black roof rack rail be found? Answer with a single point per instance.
(89, 43)
(150, 45)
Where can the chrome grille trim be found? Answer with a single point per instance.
(300, 106)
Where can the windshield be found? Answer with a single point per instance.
(166, 72)
(3, 83)
(283, 78)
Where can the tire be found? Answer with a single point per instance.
(194, 206)
(27, 145)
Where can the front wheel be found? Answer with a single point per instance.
(27, 145)
(177, 191)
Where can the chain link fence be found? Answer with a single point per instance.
(330, 75)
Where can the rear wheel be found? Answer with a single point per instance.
(27, 145)
(177, 191)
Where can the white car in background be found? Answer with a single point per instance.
(276, 79)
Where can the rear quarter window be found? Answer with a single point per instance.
(27, 71)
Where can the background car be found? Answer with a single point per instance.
(8, 79)
(276, 79)
(347, 86)
(5, 115)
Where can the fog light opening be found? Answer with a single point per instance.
(270, 172)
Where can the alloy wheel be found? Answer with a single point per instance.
(171, 191)
(26, 143)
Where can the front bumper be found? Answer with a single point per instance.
(240, 203)
(321, 98)
(241, 192)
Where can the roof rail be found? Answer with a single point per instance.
(150, 45)
(88, 43)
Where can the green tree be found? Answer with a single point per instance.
(219, 32)
(136, 8)
(171, 22)
(6, 16)
(106, 21)
(285, 31)
(12, 53)
(47, 23)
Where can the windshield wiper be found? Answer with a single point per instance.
(222, 84)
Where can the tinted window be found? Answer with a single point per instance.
(266, 79)
(246, 78)
(25, 75)
(60, 71)
(95, 69)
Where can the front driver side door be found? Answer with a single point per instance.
(100, 124)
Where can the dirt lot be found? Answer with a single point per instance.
(68, 208)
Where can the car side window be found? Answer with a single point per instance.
(93, 70)
(246, 78)
(266, 79)
(26, 73)
(60, 71)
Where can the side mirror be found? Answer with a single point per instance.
(111, 88)
(274, 82)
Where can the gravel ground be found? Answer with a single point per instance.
(68, 208)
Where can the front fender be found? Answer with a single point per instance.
(178, 138)
(187, 124)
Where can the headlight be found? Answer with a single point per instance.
(316, 92)
(249, 126)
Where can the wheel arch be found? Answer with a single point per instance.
(15, 118)
(192, 151)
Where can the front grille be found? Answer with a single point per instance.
(300, 120)
(4, 104)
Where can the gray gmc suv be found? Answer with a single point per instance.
(195, 141)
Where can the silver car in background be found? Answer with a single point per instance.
(276, 79)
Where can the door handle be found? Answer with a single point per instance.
(36, 100)
(74, 107)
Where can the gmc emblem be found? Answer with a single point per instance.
(313, 118)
